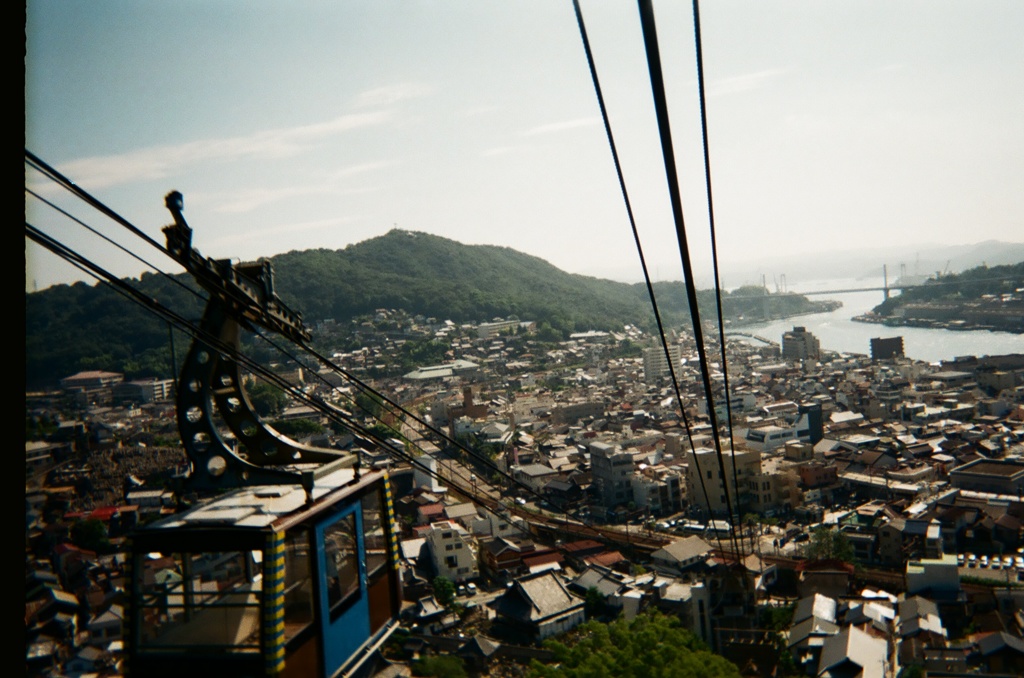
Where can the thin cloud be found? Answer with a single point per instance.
(893, 67)
(480, 110)
(553, 127)
(498, 150)
(237, 241)
(158, 162)
(391, 94)
(353, 170)
(252, 199)
(288, 229)
(745, 82)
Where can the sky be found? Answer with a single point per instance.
(318, 124)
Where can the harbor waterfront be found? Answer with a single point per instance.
(838, 332)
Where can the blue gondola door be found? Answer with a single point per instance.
(343, 600)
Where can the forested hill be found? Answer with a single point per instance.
(434, 276)
(71, 328)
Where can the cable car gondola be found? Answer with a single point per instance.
(292, 570)
(262, 582)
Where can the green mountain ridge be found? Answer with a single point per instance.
(77, 327)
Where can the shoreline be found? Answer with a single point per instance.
(924, 323)
(745, 322)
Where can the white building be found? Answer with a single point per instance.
(451, 549)
(655, 364)
(702, 465)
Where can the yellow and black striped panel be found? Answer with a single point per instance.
(273, 604)
(392, 526)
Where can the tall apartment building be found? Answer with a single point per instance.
(493, 329)
(886, 348)
(704, 461)
(658, 489)
(655, 364)
(143, 391)
(612, 471)
(799, 344)
(452, 552)
(570, 413)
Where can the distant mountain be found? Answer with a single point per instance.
(434, 276)
(71, 328)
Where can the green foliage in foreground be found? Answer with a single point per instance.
(440, 667)
(830, 544)
(650, 646)
(297, 428)
(444, 590)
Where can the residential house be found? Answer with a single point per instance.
(681, 554)
(540, 606)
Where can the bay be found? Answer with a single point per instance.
(837, 332)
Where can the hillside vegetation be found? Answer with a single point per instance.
(79, 327)
(971, 285)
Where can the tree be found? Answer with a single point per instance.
(297, 427)
(650, 645)
(91, 535)
(777, 618)
(912, 671)
(594, 603)
(440, 667)
(444, 591)
(369, 405)
(267, 399)
(829, 544)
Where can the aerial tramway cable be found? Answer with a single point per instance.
(650, 36)
(714, 244)
(121, 287)
(640, 252)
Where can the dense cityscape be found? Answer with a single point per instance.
(527, 340)
(864, 516)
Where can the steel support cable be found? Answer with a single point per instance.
(55, 176)
(640, 250)
(81, 193)
(714, 245)
(487, 462)
(183, 324)
(661, 108)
